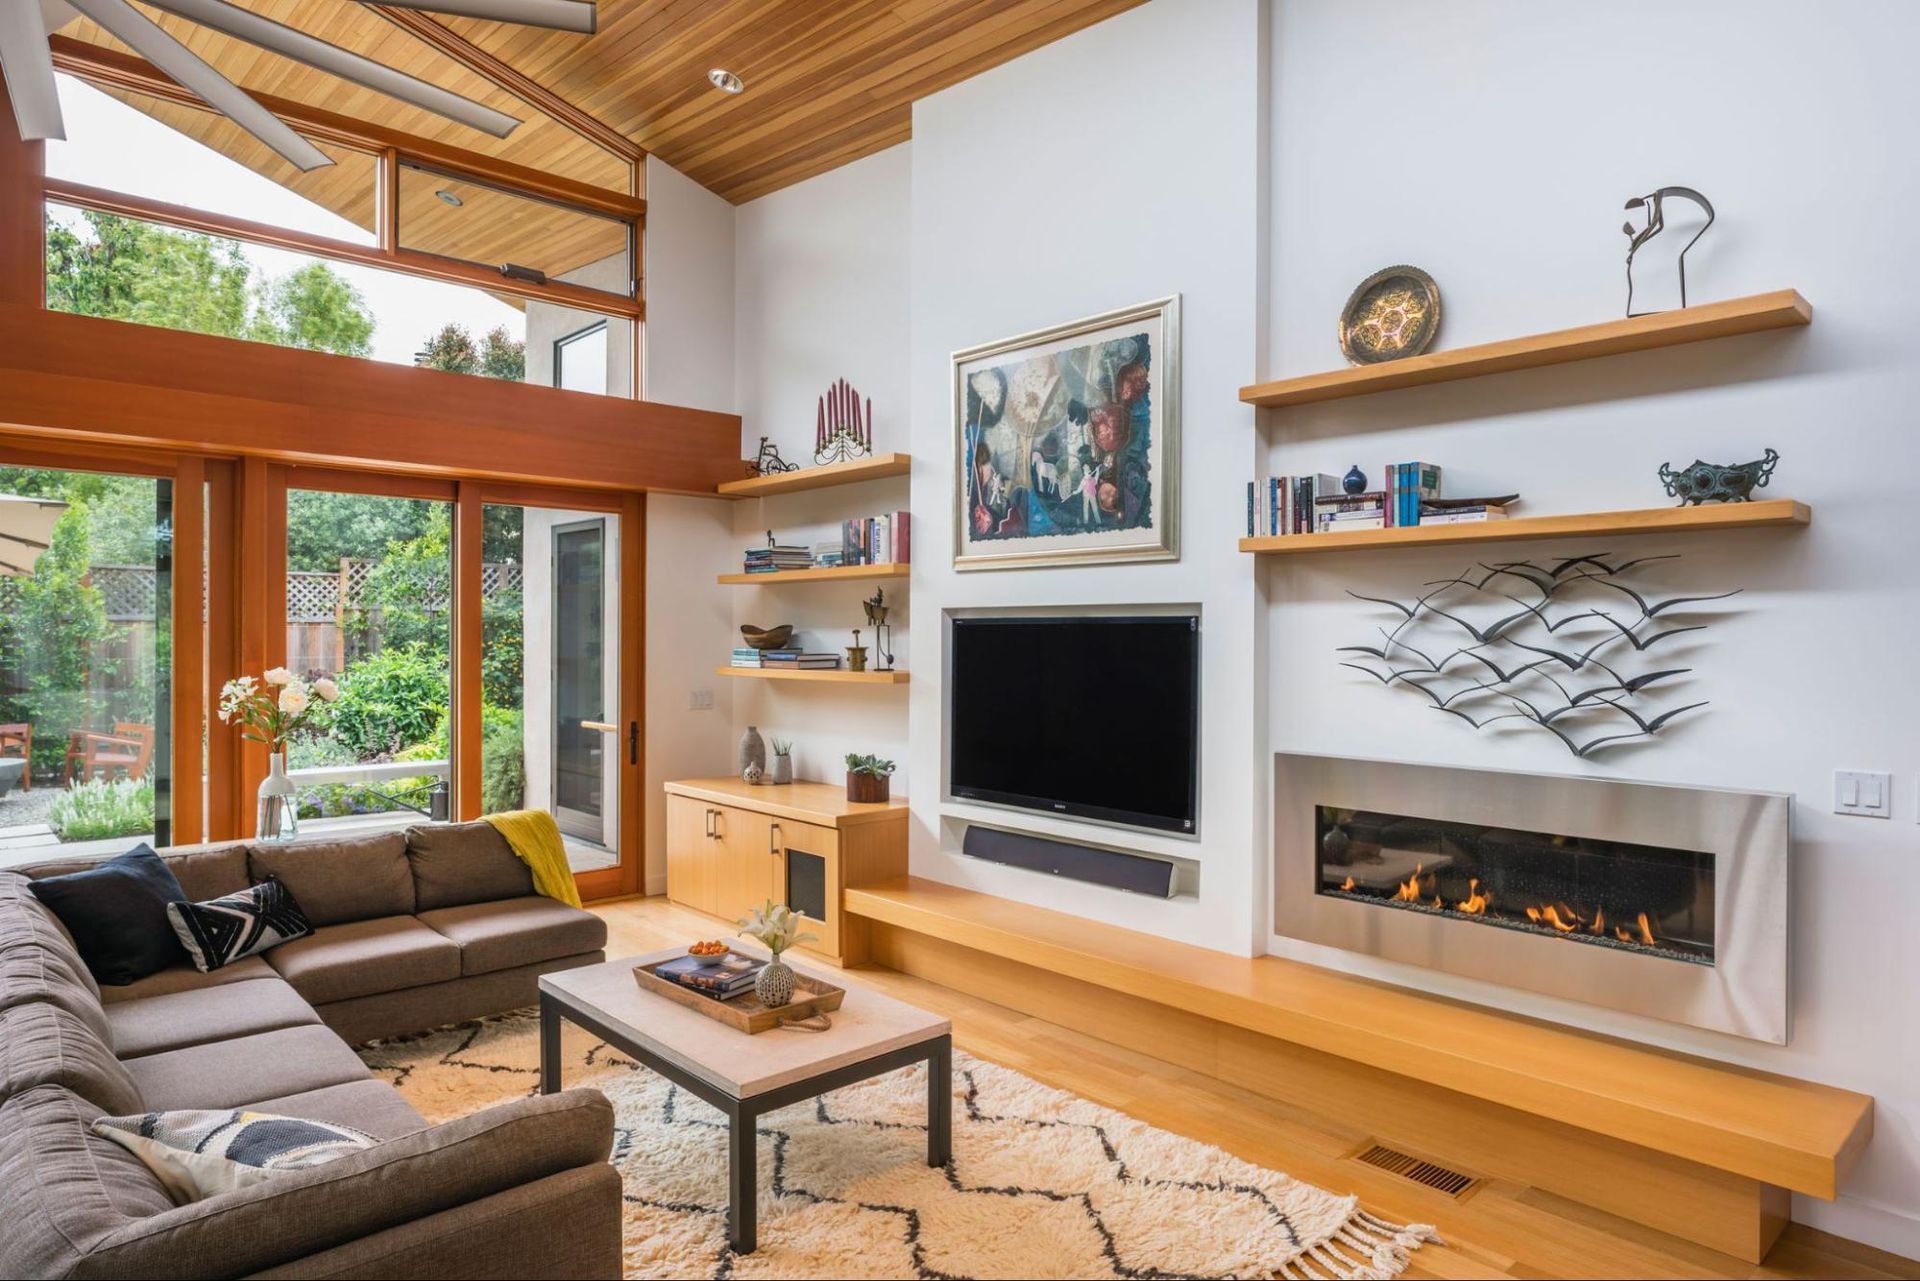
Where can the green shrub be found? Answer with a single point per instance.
(101, 808)
(390, 701)
(503, 760)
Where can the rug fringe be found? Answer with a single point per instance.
(1363, 1248)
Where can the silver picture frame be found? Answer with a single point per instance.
(1159, 538)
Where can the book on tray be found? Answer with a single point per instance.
(724, 977)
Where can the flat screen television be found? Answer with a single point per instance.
(1094, 717)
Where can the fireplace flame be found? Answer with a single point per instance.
(1643, 935)
(1558, 915)
(1409, 891)
(1476, 903)
(1347, 885)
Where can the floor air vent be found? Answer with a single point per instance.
(1437, 1177)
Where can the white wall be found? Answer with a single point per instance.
(822, 272)
(1117, 165)
(688, 360)
(1515, 133)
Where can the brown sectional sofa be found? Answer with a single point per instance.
(411, 931)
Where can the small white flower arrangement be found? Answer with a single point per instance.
(277, 706)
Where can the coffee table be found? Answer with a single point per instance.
(744, 1076)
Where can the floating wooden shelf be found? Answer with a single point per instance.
(1781, 309)
(1772, 513)
(839, 675)
(878, 467)
(835, 574)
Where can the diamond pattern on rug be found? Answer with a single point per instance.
(1043, 1184)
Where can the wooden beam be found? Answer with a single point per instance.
(432, 31)
(93, 379)
(113, 70)
(23, 236)
(410, 262)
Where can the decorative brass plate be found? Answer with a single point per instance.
(1393, 314)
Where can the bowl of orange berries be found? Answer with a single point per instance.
(707, 947)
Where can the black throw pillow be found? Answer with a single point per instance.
(117, 914)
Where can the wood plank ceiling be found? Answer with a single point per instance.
(828, 81)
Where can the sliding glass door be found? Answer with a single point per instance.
(86, 662)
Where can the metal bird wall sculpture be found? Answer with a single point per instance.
(1542, 665)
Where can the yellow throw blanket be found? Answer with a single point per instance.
(535, 837)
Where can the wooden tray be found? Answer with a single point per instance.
(811, 997)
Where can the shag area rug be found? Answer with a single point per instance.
(1042, 1183)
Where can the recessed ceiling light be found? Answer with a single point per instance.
(450, 198)
(725, 81)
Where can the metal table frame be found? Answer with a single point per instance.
(743, 1114)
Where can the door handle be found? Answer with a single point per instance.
(719, 832)
(773, 840)
(709, 823)
(603, 726)
(633, 742)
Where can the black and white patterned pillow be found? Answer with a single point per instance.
(223, 930)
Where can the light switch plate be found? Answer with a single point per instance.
(700, 700)
(1863, 792)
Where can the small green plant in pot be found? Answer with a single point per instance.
(868, 777)
(775, 927)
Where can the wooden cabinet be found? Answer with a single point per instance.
(731, 847)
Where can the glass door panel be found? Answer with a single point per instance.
(369, 591)
(86, 628)
(552, 736)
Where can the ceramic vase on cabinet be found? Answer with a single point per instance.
(752, 759)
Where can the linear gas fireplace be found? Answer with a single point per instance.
(1659, 900)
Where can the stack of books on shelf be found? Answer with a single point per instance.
(875, 540)
(746, 656)
(1320, 504)
(773, 559)
(722, 977)
(829, 555)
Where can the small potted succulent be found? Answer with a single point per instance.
(867, 777)
(775, 927)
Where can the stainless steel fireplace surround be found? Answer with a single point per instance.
(1654, 899)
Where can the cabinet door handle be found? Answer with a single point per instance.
(709, 823)
(719, 832)
(773, 840)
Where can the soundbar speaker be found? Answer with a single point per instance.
(1078, 862)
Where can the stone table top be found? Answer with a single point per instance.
(867, 1024)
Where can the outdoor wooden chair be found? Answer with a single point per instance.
(16, 742)
(98, 754)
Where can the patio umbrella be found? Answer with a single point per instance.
(26, 525)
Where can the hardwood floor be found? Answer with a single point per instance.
(1496, 1229)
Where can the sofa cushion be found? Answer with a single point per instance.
(43, 1044)
(361, 958)
(457, 863)
(32, 971)
(66, 1188)
(117, 914)
(517, 931)
(25, 919)
(244, 1070)
(340, 881)
(373, 1107)
(184, 978)
(204, 871)
(176, 1020)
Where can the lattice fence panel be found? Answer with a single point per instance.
(312, 596)
(127, 591)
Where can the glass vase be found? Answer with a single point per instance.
(278, 816)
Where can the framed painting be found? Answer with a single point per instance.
(1067, 443)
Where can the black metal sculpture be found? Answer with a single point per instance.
(1718, 482)
(1538, 657)
(1656, 223)
(768, 461)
